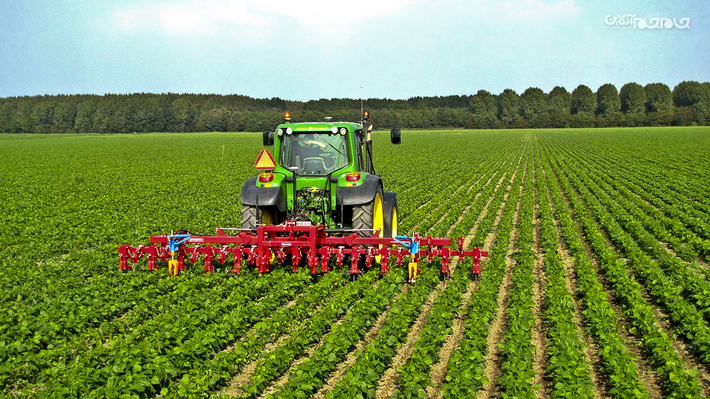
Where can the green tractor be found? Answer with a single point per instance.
(323, 175)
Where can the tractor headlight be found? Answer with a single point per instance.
(343, 131)
(289, 130)
(334, 129)
(280, 132)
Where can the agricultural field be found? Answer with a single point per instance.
(597, 284)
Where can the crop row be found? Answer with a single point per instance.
(666, 228)
(652, 185)
(214, 372)
(278, 361)
(361, 378)
(567, 366)
(466, 366)
(306, 378)
(164, 348)
(518, 350)
(635, 239)
(601, 319)
(424, 217)
(677, 381)
(414, 374)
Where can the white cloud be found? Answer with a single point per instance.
(189, 18)
(323, 23)
(540, 10)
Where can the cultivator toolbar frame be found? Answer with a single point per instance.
(314, 244)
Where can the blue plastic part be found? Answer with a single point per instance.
(413, 245)
(173, 242)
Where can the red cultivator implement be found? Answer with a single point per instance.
(307, 245)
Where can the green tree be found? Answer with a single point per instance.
(64, 115)
(508, 104)
(214, 120)
(658, 98)
(533, 101)
(84, 121)
(633, 98)
(559, 100)
(42, 116)
(583, 100)
(484, 107)
(608, 101)
(687, 93)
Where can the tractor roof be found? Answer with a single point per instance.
(319, 126)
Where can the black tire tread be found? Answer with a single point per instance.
(248, 217)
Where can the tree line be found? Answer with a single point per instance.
(654, 104)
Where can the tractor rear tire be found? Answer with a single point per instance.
(390, 214)
(249, 220)
(369, 216)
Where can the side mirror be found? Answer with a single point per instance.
(268, 139)
(396, 136)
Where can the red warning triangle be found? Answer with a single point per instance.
(265, 161)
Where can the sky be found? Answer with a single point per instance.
(375, 48)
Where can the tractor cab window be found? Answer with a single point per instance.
(314, 153)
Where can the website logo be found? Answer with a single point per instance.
(630, 21)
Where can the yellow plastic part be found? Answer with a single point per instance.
(173, 267)
(413, 266)
(394, 222)
(378, 221)
(378, 217)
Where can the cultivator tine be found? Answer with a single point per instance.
(339, 256)
(445, 261)
(354, 260)
(251, 255)
(477, 261)
(195, 253)
(208, 251)
(123, 253)
(368, 257)
(223, 250)
(384, 261)
(296, 258)
(151, 251)
(398, 258)
(324, 259)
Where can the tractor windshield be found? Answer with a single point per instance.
(314, 153)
